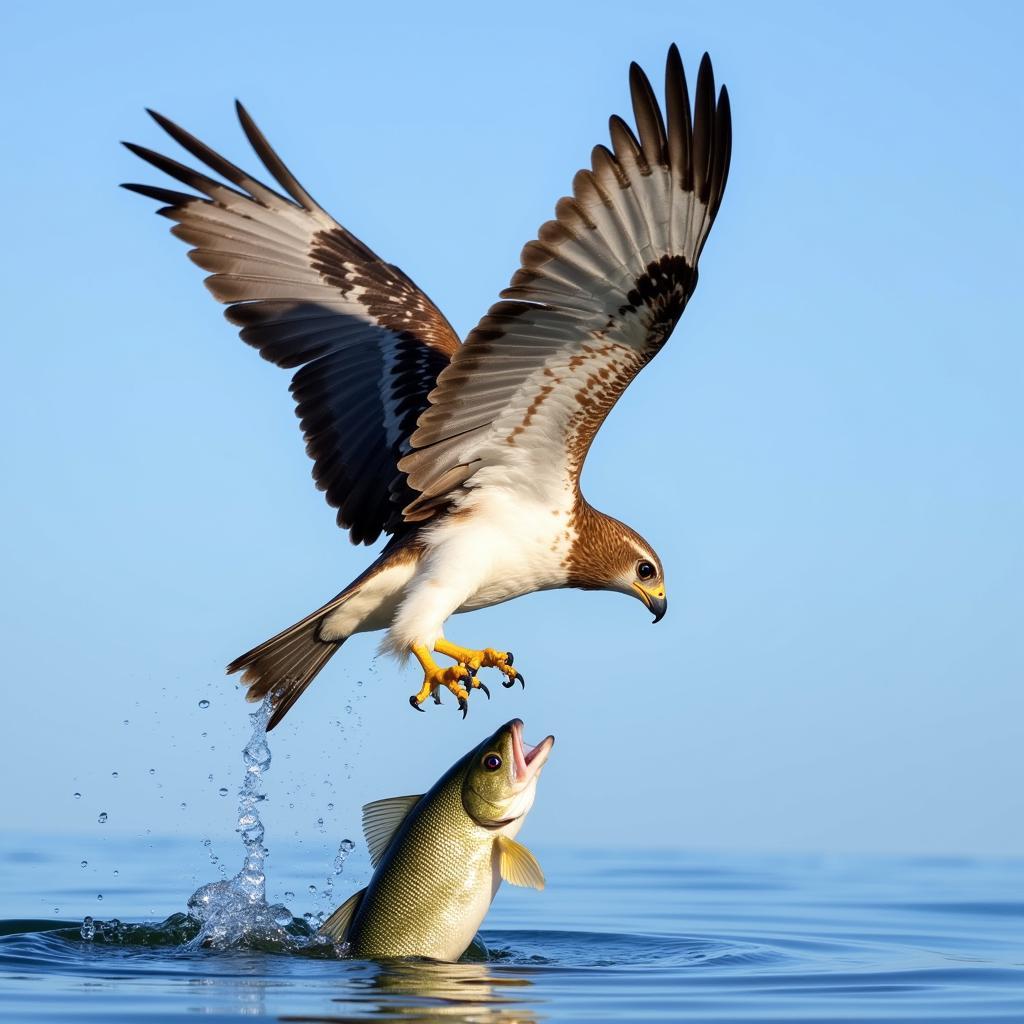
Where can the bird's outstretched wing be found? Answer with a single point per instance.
(597, 295)
(306, 293)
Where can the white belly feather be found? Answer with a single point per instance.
(477, 556)
(493, 547)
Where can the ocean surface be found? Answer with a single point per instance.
(617, 935)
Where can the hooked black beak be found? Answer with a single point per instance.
(654, 599)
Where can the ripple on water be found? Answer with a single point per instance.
(655, 936)
(580, 949)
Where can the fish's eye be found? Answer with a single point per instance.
(491, 762)
(645, 570)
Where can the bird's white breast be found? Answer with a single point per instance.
(493, 546)
(521, 546)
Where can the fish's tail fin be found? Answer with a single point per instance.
(287, 663)
(336, 927)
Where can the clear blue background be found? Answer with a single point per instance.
(827, 455)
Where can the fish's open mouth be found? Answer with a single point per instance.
(529, 759)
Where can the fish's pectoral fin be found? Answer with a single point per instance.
(517, 865)
(336, 926)
(382, 819)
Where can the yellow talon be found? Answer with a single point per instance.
(434, 676)
(475, 660)
(461, 677)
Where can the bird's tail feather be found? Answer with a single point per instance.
(287, 663)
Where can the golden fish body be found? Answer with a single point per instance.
(440, 857)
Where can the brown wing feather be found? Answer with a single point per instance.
(306, 293)
(596, 296)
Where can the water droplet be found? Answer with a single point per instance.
(88, 929)
(348, 709)
(152, 771)
(345, 847)
(289, 895)
(99, 895)
(183, 805)
(125, 722)
(78, 796)
(116, 872)
(223, 790)
(204, 704)
(84, 864)
(330, 807)
(312, 889)
(102, 818)
(113, 775)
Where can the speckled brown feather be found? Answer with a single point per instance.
(368, 344)
(597, 294)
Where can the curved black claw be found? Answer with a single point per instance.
(415, 703)
(481, 686)
(463, 706)
(437, 695)
(509, 658)
(516, 677)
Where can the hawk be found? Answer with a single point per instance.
(467, 454)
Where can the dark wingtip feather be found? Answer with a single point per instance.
(703, 128)
(273, 162)
(162, 195)
(723, 136)
(625, 144)
(648, 116)
(680, 125)
(178, 171)
(158, 117)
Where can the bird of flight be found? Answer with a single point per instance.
(467, 454)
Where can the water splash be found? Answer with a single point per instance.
(235, 911)
(345, 847)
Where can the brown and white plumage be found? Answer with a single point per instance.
(468, 455)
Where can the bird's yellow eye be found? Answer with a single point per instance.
(645, 570)
(491, 762)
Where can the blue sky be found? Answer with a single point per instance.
(826, 456)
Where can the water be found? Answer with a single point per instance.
(669, 935)
(640, 936)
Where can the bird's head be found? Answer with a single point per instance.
(608, 555)
(641, 576)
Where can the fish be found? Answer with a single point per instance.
(439, 857)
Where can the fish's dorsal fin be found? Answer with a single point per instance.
(382, 819)
(336, 926)
(517, 865)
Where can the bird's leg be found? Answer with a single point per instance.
(434, 677)
(486, 658)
